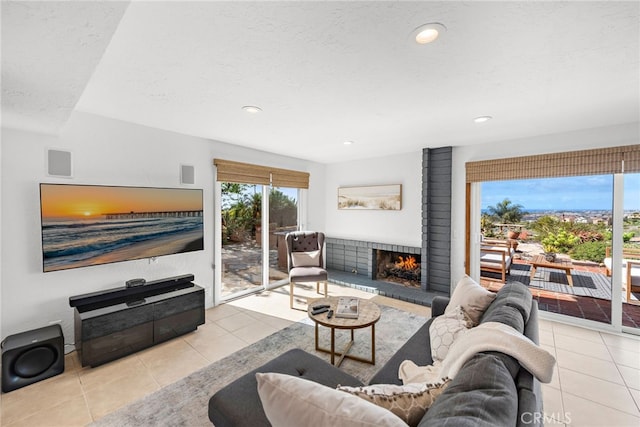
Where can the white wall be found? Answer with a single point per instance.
(112, 152)
(1, 299)
(396, 227)
(611, 136)
(105, 152)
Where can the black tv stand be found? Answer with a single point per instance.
(116, 322)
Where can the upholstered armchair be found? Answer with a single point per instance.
(305, 259)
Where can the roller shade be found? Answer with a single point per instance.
(598, 161)
(632, 160)
(246, 173)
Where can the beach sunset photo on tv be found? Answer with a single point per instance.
(84, 225)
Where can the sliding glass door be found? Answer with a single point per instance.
(283, 218)
(252, 249)
(574, 241)
(554, 233)
(630, 266)
(240, 237)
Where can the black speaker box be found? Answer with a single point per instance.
(32, 356)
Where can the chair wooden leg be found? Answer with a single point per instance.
(290, 294)
(317, 287)
(325, 288)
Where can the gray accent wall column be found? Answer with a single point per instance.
(436, 219)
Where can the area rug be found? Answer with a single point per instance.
(185, 402)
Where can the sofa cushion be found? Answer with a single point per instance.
(445, 329)
(409, 402)
(307, 274)
(417, 348)
(481, 394)
(512, 306)
(239, 404)
(505, 314)
(473, 298)
(494, 257)
(290, 401)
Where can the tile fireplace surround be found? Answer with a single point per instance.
(359, 257)
(356, 257)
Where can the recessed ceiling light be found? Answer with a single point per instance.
(428, 32)
(252, 109)
(348, 142)
(482, 119)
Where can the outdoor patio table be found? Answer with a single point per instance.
(559, 264)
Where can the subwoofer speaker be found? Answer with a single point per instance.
(32, 356)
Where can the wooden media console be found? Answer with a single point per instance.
(116, 322)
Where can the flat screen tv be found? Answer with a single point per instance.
(84, 225)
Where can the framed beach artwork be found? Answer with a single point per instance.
(380, 197)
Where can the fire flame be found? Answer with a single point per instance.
(407, 264)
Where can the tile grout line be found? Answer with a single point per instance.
(622, 375)
(562, 400)
(586, 374)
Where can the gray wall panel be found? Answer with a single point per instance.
(436, 210)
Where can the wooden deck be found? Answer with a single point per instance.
(585, 283)
(588, 298)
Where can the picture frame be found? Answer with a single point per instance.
(371, 197)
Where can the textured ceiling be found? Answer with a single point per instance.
(325, 72)
(49, 52)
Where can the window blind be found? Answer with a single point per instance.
(246, 173)
(598, 161)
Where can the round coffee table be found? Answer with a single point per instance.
(368, 315)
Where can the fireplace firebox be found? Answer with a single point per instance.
(397, 267)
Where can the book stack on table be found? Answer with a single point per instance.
(347, 308)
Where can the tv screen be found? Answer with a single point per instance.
(85, 225)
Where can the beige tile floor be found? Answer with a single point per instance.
(596, 383)
(596, 380)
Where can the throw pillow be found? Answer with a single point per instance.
(409, 402)
(292, 401)
(444, 330)
(306, 259)
(473, 298)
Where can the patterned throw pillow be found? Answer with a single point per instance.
(444, 330)
(409, 402)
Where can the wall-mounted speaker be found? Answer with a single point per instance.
(59, 163)
(32, 356)
(187, 174)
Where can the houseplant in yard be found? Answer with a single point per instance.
(549, 252)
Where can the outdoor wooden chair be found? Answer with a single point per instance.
(496, 256)
(630, 270)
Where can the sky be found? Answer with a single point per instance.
(75, 201)
(571, 193)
